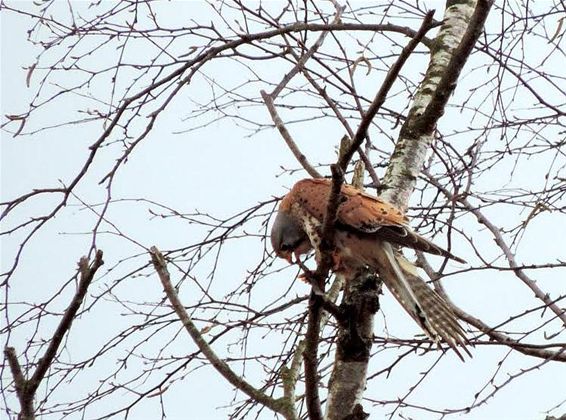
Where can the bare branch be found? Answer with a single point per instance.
(302, 159)
(222, 367)
(500, 241)
(26, 388)
(302, 61)
(269, 98)
(447, 60)
(435, 108)
(27, 412)
(380, 97)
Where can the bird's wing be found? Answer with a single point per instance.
(357, 210)
(366, 217)
(363, 213)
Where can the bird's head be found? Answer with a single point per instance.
(288, 237)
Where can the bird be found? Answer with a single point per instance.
(366, 230)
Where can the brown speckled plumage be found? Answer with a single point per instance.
(365, 229)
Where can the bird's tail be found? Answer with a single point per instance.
(424, 305)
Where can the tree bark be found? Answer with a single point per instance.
(462, 24)
(353, 347)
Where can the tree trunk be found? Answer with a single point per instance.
(353, 346)
(463, 23)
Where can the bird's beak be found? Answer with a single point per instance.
(289, 258)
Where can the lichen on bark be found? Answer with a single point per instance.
(411, 149)
(348, 379)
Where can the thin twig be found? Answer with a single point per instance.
(160, 265)
(499, 337)
(302, 61)
(26, 388)
(287, 136)
(332, 104)
(427, 24)
(500, 241)
(427, 121)
(269, 98)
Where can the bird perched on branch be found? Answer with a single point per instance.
(365, 229)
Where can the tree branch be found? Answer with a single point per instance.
(26, 401)
(435, 108)
(26, 388)
(302, 61)
(326, 246)
(491, 332)
(310, 357)
(269, 98)
(290, 375)
(500, 241)
(287, 136)
(160, 265)
(447, 60)
(200, 59)
(353, 346)
(352, 358)
(426, 25)
(318, 279)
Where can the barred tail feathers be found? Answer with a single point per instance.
(424, 305)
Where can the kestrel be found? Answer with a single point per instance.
(365, 228)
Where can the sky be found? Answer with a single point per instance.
(220, 170)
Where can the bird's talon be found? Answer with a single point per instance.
(306, 276)
(303, 278)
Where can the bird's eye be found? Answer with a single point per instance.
(286, 247)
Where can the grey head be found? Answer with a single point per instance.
(288, 237)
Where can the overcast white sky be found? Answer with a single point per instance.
(217, 170)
